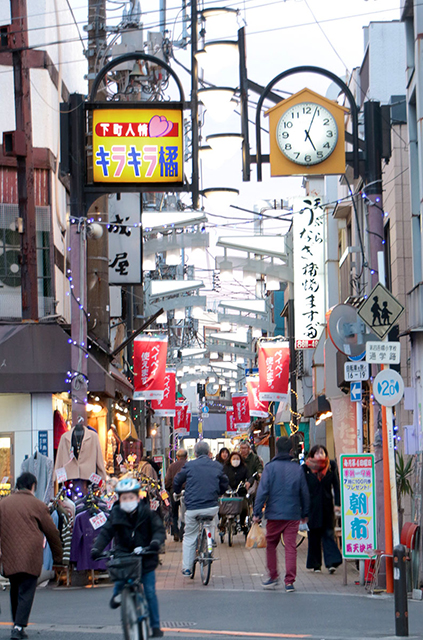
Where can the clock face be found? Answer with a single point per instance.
(307, 133)
(211, 389)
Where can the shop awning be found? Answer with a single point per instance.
(35, 357)
(316, 406)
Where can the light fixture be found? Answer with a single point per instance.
(220, 197)
(121, 417)
(218, 55)
(212, 379)
(272, 284)
(240, 360)
(249, 278)
(209, 157)
(257, 333)
(173, 257)
(227, 357)
(214, 355)
(193, 383)
(191, 370)
(153, 432)
(202, 381)
(226, 274)
(185, 368)
(162, 319)
(184, 385)
(196, 255)
(93, 408)
(218, 101)
(197, 312)
(225, 326)
(323, 416)
(179, 314)
(226, 145)
(149, 264)
(180, 373)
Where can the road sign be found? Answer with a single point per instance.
(356, 394)
(205, 412)
(381, 310)
(383, 352)
(388, 387)
(356, 371)
(348, 332)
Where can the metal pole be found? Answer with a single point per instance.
(373, 137)
(359, 424)
(194, 107)
(400, 591)
(26, 196)
(243, 87)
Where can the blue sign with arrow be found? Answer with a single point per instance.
(356, 391)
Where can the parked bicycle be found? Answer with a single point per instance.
(127, 569)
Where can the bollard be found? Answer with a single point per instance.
(400, 591)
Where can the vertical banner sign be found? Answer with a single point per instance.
(241, 410)
(188, 416)
(149, 367)
(124, 231)
(273, 359)
(179, 422)
(358, 500)
(230, 420)
(309, 261)
(138, 146)
(166, 407)
(258, 408)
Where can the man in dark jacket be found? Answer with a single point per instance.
(204, 482)
(133, 526)
(171, 473)
(251, 459)
(24, 521)
(284, 490)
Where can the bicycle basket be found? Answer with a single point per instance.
(230, 506)
(125, 568)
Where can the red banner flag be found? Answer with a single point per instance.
(149, 367)
(258, 408)
(230, 420)
(188, 416)
(166, 407)
(273, 359)
(179, 422)
(241, 410)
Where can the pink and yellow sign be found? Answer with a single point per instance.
(138, 146)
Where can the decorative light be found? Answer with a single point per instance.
(227, 357)
(184, 385)
(239, 360)
(193, 383)
(153, 432)
(162, 319)
(185, 368)
(218, 55)
(121, 417)
(209, 157)
(197, 312)
(257, 333)
(323, 416)
(225, 326)
(180, 373)
(249, 278)
(218, 101)
(272, 284)
(212, 379)
(179, 314)
(197, 254)
(191, 370)
(173, 257)
(225, 144)
(220, 197)
(149, 263)
(226, 274)
(214, 355)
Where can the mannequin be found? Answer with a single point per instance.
(79, 453)
(78, 436)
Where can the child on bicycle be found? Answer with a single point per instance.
(133, 526)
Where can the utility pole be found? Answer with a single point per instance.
(22, 148)
(373, 188)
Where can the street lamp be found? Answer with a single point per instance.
(218, 101)
(226, 145)
(218, 55)
(220, 197)
(173, 257)
(226, 273)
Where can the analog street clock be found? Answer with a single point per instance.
(307, 133)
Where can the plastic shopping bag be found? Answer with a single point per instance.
(256, 538)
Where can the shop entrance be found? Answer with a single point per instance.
(7, 458)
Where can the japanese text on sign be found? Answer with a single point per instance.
(356, 371)
(137, 145)
(358, 505)
(308, 232)
(383, 352)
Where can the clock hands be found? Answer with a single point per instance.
(307, 131)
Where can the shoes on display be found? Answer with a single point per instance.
(289, 588)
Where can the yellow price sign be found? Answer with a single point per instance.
(138, 146)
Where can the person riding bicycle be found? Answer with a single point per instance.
(204, 481)
(133, 526)
(237, 473)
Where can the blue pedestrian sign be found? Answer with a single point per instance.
(356, 392)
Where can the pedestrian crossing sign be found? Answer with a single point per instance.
(380, 311)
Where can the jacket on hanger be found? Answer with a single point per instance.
(90, 459)
(42, 468)
(113, 449)
(130, 446)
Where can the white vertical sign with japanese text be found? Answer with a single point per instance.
(124, 230)
(358, 500)
(309, 263)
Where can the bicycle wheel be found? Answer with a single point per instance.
(143, 617)
(130, 615)
(204, 560)
(230, 532)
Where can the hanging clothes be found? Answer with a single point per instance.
(113, 450)
(42, 468)
(59, 428)
(84, 534)
(90, 457)
(132, 446)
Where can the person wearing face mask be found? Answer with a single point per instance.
(236, 470)
(133, 526)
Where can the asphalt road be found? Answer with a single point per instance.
(73, 614)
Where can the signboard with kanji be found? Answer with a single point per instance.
(356, 371)
(124, 231)
(137, 146)
(358, 504)
(383, 352)
(380, 311)
(309, 292)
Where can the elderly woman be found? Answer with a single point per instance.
(323, 485)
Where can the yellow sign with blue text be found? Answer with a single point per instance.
(142, 145)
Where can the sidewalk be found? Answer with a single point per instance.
(240, 569)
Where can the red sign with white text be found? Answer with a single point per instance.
(241, 410)
(258, 408)
(230, 420)
(149, 367)
(166, 407)
(273, 360)
(179, 422)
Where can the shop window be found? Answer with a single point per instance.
(6, 463)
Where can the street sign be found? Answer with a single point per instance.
(356, 393)
(356, 371)
(205, 412)
(358, 500)
(381, 310)
(388, 388)
(383, 352)
(347, 331)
